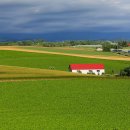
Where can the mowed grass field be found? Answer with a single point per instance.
(73, 50)
(58, 62)
(78, 104)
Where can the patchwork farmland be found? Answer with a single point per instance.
(59, 62)
(45, 95)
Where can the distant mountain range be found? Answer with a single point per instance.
(61, 36)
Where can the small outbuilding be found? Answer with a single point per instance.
(97, 69)
(99, 49)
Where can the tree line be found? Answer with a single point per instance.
(39, 42)
(117, 45)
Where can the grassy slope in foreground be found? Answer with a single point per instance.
(65, 105)
(59, 62)
(12, 72)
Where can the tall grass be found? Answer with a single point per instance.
(12, 72)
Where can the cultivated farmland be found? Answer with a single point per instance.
(58, 62)
(62, 51)
(58, 99)
(77, 104)
(73, 50)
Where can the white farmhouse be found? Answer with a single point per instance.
(97, 69)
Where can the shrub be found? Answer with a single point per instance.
(125, 71)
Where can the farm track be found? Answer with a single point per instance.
(123, 58)
(21, 80)
(39, 79)
(61, 78)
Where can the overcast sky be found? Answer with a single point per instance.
(47, 16)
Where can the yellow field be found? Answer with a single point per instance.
(14, 72)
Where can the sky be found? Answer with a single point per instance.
(60, 16)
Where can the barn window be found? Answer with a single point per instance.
(79, 71)
(98, 70)
(90, 71)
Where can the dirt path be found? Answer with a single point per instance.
(123, 58)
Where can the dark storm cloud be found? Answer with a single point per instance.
(43, 16)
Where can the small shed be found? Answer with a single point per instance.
(99, 49)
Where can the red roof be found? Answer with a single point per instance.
(86, 66)
(128, 44)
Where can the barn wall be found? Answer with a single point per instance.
(87, 71)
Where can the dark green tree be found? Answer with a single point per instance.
(106, 46)
(122, 44)
(125, 71)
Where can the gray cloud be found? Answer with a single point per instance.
(43, 16)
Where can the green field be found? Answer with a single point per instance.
(72, 50)
(63, 100)
(58, 62)
(77, 104)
